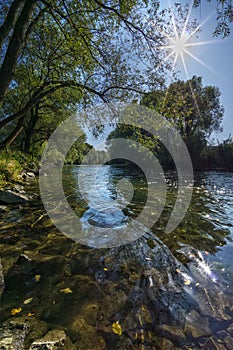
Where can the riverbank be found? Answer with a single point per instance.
(16, 171)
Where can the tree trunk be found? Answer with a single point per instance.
(15, 46)
(13, 135)
(29, 130)
(10, 19)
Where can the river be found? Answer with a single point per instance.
(160, 290)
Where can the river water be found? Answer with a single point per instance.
(166, 291)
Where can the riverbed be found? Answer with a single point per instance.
(158, 291)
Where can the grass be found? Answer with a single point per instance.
(12, 164)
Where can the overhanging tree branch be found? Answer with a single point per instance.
(40, 94)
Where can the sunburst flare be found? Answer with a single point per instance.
(180, 42)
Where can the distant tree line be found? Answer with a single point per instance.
(218, 157)
(196, 112)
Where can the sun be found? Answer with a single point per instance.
(180, 42)
(178, 46)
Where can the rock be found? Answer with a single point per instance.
(104, 219)
(168, 331)
(229, 342)
(53, 340)
(196, 325)
(86, 335)
(230, 328)
(27, 175)
(3, 209)
(17, 334)
(12, 336)
(19, 188)
(226, 338)
(90, 313)
(167, 344)
(2, 284)
(12, 197)
(212, 344)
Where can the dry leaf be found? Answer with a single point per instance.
(178, 270)
(37, 278)
(187, 282)
(30, 314)
(28, 301)
(66, 291)
(16, 311)
(116, 327)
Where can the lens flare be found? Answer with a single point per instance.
(179, 42)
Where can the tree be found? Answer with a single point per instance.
(94, 47)
(224, 12)
(194, 110)
(84, 46)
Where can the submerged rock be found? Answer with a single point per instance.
(20, 334)
(86, 335)
(12, 335)
(53, 340)
(3, 209)
(105, 219)
(13, 197)
(2, 284)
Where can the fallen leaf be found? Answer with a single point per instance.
(37, 278)
(197, 284)
(187, 282)
(178, 270)
(16, 311)
(66, 291)
(28, 301)
(105, 269)
(32, 313)
(116, 327)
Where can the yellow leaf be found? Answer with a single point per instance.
(66, 291)
(16, 311)
(30, 314)
(178, 270)
(105, 269)
(116, 327)
(187, 282)
(37, 278)
(27, 301)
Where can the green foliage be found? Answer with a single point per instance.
(194, 110)
(76, 52)
(77, 152)
(59, 55)
(11, 166)
(218, 157)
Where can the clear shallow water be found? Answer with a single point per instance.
(166, 290)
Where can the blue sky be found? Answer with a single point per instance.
(218, 56)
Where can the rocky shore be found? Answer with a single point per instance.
(16, 194)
